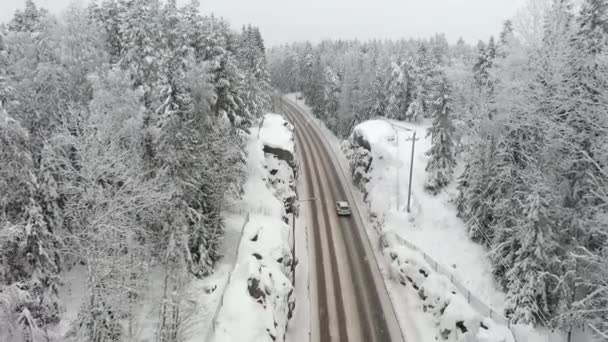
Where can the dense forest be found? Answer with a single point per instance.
(121, 135)
(526, 117)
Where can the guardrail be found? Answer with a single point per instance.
(221, 301)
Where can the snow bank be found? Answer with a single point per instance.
(379, 156)
(282, 178)
(453, 316)
(276, 136)
(383, 174)
(373, 133)
(259, 298)
(276, 132)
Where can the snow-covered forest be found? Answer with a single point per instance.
(525, 117)
(121, 134)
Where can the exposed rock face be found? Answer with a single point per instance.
(358, 152)
(271, 264)
(281, 154)
(282, 178)
(276, 135)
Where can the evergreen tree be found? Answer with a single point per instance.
(397, 98)
(140, 36)
(331, 92)
(252, 58)
(28, 248)
(378, 97)
(527, 298)
(485, 59)
(29, 19)
(415, 111)
(226, 77)
(441, 162)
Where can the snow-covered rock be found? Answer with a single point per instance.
(455, 319)
(276, 136)
(259, 299)
(432, 222)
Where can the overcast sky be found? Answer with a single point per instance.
(286, 20)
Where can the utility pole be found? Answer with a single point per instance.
(409, 190)
(397, 168)
(293, 245)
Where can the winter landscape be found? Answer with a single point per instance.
(273, 171)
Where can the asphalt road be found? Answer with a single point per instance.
(348, 299)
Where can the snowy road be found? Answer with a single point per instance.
(349, 301)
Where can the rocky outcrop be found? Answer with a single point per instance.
(358, 153)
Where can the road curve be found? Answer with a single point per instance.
(349, 301)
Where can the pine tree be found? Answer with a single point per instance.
(28, 20)
(397, 98)
(108, 17)
(415, 111)
(252, 58)
(527, 298)
(441, 162)
(331, 92)
(226, 76)
(378, 97)
(581, 106)
(28, 248)
(485, 59)
(140, 41)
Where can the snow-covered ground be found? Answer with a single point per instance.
(260, 297)
(201, 298)
(432, 220)
(263, 263)
(431, 225)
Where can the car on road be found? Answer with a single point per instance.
(343, 208)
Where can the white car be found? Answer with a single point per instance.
(343, 208)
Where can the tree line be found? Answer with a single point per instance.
(122, 134)
(524, 114)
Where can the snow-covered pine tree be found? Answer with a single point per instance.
(315, 87)
(193, 27)
(530, 284)
(226, 76)
(415, 111)
(252, 59)
(583, 106)
(485, 58)
(427, 75)
(441, 163)
(28, 248)
(331, 93)
(140, 40)
(377, 107)
(29, 19)
(397, 97)
(108, 17)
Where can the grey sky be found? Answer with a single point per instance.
(287, 20)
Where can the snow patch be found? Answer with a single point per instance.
(454, 318)
(276, 132)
